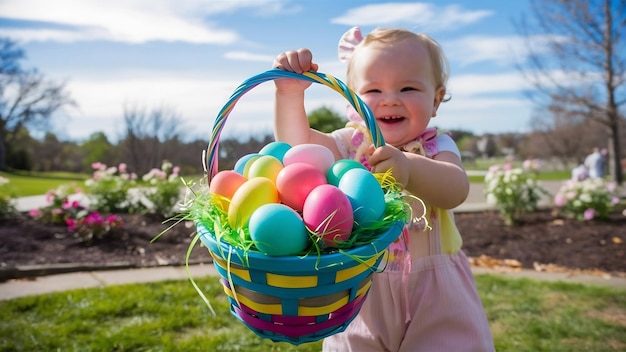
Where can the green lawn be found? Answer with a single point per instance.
(37, 183)
(525, 315)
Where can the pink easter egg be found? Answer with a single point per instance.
(313, 154)
(294, 183)
(328, 213)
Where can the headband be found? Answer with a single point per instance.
(348, 41)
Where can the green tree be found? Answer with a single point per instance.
(27, 99)
(325, 120)
(97, 148)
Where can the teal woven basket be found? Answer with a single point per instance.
(295, 299)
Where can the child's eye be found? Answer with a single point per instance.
(373, 91)
(407, 89)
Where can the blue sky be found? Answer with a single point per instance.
(189, 56)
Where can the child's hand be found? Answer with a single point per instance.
(389, 157)
(298, 61)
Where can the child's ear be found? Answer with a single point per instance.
(439, 95)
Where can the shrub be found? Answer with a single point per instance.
(513, 191)
(93, 225)
(164, 189)
(60, 206)
(79, 219)
(108, 189)
(587, 199)
(6, 200)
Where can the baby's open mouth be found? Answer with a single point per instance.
(390, 119)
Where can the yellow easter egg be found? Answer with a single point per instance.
(248, 197)
(265, 166)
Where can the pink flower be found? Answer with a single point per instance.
(175, 170)
(559, 200)
(33, 213)
(589, 214)
(71, 224)
(122, 167)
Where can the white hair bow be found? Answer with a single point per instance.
(349, 40)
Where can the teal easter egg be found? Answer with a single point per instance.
(339, 168)
(365, 195)
(278, 230)
(275, 149)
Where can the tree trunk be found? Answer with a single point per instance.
(615, 155)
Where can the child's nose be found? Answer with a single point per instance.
(390, 99)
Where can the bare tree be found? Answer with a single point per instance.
(146, 136)
(580, 68)
(27, 99)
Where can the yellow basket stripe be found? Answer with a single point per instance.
(241, 273)
(276, 309)
(346, 274)
(327, 309)
(308, 311)
(291, 281)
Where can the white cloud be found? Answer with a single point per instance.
(505, 50)
(425, 15)
(477, 84)
(247, 56)
(132, 21)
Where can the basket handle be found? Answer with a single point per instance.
(210, 163)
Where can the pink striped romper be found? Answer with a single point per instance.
(426, 298)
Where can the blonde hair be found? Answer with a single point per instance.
(441, 68)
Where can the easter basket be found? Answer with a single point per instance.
(295, 298)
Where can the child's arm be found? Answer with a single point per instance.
(440, 182)
(291, 124)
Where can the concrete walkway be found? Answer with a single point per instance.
(88, 278)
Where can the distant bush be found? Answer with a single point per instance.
(592, 198)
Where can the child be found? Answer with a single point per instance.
(426, 299)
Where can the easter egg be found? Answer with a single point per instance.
(275, 149)
(294, 183)
(248, 197)
(313, 154)
(241, 163)
(328, 213)
(224, 184)
(365, 195)
(276, 229)
(340, 167)
(264, 166)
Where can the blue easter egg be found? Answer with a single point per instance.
(275, 149)
(365, 195)
(339, 168)
(278, 230)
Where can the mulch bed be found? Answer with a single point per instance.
(541, 241)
